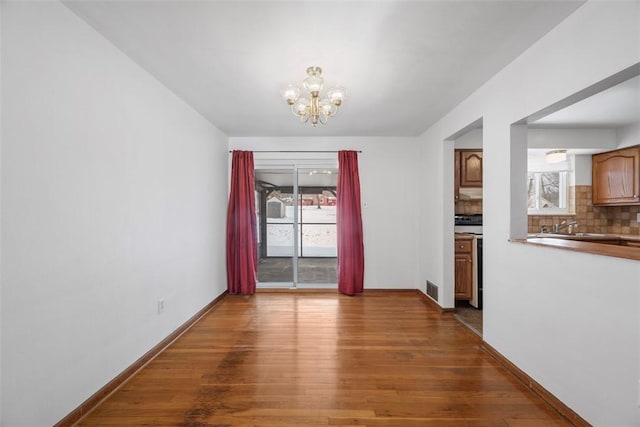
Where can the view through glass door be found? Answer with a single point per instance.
(296, 216)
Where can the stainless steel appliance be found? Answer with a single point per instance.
(472, 224)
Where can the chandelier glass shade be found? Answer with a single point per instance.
(313, 107)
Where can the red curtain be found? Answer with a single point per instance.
(349, 222)
(242, 256)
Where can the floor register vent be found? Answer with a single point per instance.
(432, 290)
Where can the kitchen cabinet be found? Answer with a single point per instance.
(467, 170)
(463, 268)
(456, 176)
(616, 177)
(470, 168)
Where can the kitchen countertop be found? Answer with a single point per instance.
(577, 243)
(585, 236)
(632, 237)
(464, 236)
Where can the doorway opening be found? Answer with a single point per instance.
(468, 265)
(296, 218)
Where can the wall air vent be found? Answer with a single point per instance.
(432, 290)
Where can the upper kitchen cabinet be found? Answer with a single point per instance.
(456, 176)
(470, 164)
(616, 177)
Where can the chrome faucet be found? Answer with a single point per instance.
(564, 224)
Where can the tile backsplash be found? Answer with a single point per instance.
(468, 207)
(592, 219)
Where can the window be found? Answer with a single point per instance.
(548, 185)
(547, 192)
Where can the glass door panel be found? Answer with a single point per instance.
(278, 239)
(317, 248)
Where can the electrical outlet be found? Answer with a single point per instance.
(161, 306)
(638, 217)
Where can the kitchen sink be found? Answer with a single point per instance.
(585, 237)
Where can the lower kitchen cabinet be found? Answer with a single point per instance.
(463, 269)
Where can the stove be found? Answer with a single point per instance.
(475, 219)
(471, 224)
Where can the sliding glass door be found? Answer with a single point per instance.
(317, 254)
(296, 214)
(276, 218)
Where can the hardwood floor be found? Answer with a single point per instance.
(323, 359)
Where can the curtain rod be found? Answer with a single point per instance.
(296, 151)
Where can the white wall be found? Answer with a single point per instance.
(113, 195)
(628, 135)
(470, 140)
(389, 188)
(570, 320)
(582, 169)
(601, 139)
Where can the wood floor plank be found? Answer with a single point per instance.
(324, 359)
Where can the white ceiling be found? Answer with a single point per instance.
(404, 63)
(615, 107)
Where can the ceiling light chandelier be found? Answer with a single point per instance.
(556, 156)
(313, 109)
